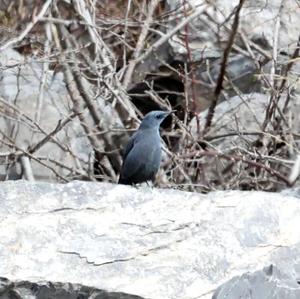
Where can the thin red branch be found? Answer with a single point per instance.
(236, 158)
(221, 76)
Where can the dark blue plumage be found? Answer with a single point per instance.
(142, 155)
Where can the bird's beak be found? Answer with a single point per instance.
(167, 113)
(171, 111)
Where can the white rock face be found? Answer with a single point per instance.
(257, 21)
(269, 282)
(20, 86)
(149, 242)
(241, 115)
(264, 27)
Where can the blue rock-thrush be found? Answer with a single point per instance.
(142, 154)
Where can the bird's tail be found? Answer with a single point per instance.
(123, 181)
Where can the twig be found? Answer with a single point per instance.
(125, 44)
(191, 72)
(80, 96)
(27, 169)
(103, 52)
(30, 25)
(140, 43)
(236, 158)
(272, 102)
(60, 125)
(102, 48)
(291, 62)
(295, 171)
(45, 70)
(11, 144)
(82, 173)
(165, 37)
(221, 76)
(34, 125)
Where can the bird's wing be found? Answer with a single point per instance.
(133, 156)
(133, 162)
(140, 158)
(129, 145)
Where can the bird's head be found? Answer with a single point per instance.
(153, 119)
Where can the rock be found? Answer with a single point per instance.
(244, 114)
(209, 32)
(208, 36)
(237, 130)
(69, 153)
(269, 283)
(147, 242)
(238, 114)
(240, 69)
(20, 86)
(50, 290)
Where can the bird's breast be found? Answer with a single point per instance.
(151, 150)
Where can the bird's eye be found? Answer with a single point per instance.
(157, 116)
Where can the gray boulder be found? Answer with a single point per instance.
(267, 283)
(209, 32)
(54, 290)
(208, 36)
(146, 242)
(38, 106)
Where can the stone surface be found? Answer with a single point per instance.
(267, 283)
(20, 86)
(52, 290)
(208, 36)
(41, 108)
(238, 114)
(245, 113)
(209, 32)
(152, 243)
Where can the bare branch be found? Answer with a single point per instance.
(165, 37)
(140, 43)
(220, 79)
(237, 158)
(30, 25)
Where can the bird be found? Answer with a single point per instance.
(142, 155)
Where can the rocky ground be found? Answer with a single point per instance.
(153, 243)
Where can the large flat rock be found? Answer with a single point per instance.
(267, 283)
(144, 241)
